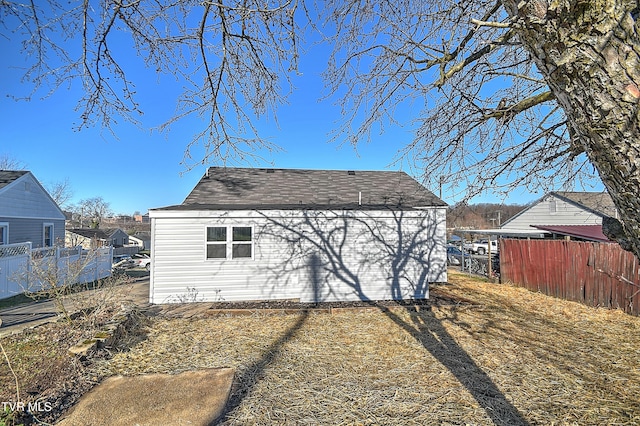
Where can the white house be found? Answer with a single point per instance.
(27, 211)
(90, 238)
(142, 240)
(308, 235)
(573, 214)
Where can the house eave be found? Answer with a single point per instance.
(230, 207)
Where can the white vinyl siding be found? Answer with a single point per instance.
(25, 206)
(306, 255)
(16, 201)
(552, 211)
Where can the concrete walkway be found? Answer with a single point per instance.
(189, 398)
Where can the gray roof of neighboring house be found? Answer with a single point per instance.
(8, 176)
(250, 188)
(142, 235)
(95, 233)
(598, 202)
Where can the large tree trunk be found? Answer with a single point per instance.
(588, 51)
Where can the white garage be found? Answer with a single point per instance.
(307, 235)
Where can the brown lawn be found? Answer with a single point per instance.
(507, 356)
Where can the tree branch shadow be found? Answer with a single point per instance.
(432, 335)
(250, 376)
(318, 249)
(253, 373)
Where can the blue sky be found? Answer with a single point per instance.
(139, 169)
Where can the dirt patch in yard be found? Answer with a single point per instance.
(488, 354)
(50, 380)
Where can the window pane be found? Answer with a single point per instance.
(241, 233)
(216, 251)
(217, 233)
(241, 250)
(48, 235)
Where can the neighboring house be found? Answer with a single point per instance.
(27, 211)
(144, 218)
(571, 214)
(90, 238)
(141, 239)
(308, 235)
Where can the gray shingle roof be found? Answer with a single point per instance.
(95, 233)
(598, 202)
(246, 188)
(8, 176)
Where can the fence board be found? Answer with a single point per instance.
(596, 274)
(16, 262)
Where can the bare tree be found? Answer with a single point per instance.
(511, 92)
(506, 93)
(9, 163)
(61, 192)
(232, 58)
(92, 211)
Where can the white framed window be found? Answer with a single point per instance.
(216, 242)
(4, 233)
(47, 235)
(229, 242)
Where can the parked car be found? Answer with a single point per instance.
(455, 256)
(121, 262)
(482, 247)
(142, 261)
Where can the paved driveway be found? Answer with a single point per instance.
(32, 313)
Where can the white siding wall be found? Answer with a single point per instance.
(25, 198)
(312, 256)
(543, 213)
(25, 206)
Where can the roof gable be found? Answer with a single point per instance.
(253, 187)
(600, 203)
(597, 203)
(9, 176)
(22, 195)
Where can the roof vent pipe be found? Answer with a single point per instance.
(359, 198)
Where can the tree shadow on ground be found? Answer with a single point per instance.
(319, 249)
(250, 375)
(432, 335)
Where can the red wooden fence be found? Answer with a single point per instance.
(596, 274)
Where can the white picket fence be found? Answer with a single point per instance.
(21, 267)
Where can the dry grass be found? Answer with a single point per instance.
(518, 358)
(45, 371)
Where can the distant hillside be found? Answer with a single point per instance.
(481, 216)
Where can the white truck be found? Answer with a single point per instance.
(482, 247)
